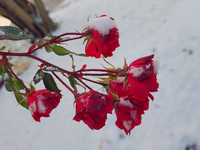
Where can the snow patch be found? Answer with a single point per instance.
(20, 34)
(102, 24)
(156, 65)
(41, 107)
(148, 66)
(85, 101)
(133, 114)
(32, 108)
(126, 103)
(127, 124)
(135, 71)
(2, 33)
(120, 79)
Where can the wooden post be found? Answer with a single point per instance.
(14, 10)
(47, 22)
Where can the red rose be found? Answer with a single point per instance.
(104, 38)
(92, 108)
(142, 77)
(119, 88)
(128, 112)
(42, 102)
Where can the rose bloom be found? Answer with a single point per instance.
(128, 113)
(142, 77)
(119, 88)
(104, 38)
(42, 102)
(92, 109)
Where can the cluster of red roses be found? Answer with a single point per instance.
(128, 92)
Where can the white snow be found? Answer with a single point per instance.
(102, 24)
(135, 71)
(41, 107)
(127, 124)
(169, 29)
(148, 66)
(32, 107)
(2, 33)
(156, 66)
(126, 103)
(120, 79)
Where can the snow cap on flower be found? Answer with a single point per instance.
(128, 113)
(102, 24)
(142, 77)
(92, 109)
(42, 102)
(102, 37)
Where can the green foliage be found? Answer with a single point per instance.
(61, 51)
(21, 100)
(38, 76)
(12, 33)
(49, 83)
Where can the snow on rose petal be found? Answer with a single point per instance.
(104, 38)
(142, 77)
(92, 109)
(128, 113)
(42, 102)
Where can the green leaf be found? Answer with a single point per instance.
(115, 96)
(19, 98)
(71, 81)
(49, 48)
(5, 67)
(41, 42)
(38, 76)
(6, 76)
(61, 51)
(9, 86)
(3, 47)
(49, 83)
(18, 84)
(51, 68)
(12, 33)
(74, 82)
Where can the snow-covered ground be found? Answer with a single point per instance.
(170, 29)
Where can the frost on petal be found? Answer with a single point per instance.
(156, 65)
(2, 33)
(120, 79)
(136, 71)
(32, 107)
(126, 103)
(127, 124)
(41, 107)
(102, 24)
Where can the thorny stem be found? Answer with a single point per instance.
(64, 83)
(92, 81)
(34, 57)
(27, 89)
(83, 83)
(72, 39)
(54, 40)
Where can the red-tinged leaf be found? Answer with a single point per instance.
(32, 47)
(84, 66)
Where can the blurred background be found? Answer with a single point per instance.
(170, 29)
